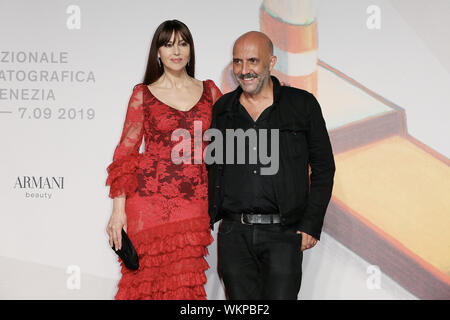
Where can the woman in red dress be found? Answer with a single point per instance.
(161, 204)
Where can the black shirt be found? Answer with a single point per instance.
(245, 189)
(304, 143)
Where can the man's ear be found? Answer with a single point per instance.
(273, 60)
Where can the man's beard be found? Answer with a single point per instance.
(261, 79)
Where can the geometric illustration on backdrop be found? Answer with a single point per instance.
(390, 201)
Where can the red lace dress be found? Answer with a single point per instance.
(166, 203)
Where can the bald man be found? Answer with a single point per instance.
(268, 219)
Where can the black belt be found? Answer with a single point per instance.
(253, 218)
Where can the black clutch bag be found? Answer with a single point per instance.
(127, 253)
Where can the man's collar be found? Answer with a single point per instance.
(276, 89)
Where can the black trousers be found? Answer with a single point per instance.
(259, 262)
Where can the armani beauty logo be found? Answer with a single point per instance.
(39, 187)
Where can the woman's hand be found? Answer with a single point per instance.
(117, 221)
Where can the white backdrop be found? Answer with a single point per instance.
(54, 243)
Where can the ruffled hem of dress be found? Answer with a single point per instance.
(165, 259)
(171, 262)
(187, 286)
(122, 177)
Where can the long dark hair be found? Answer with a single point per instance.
(162, 36)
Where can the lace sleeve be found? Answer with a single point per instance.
(215, 91)
(122, 171)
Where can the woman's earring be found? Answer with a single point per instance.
(159, 62)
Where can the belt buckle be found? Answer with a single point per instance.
(243, 222)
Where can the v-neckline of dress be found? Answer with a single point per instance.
(183, 111)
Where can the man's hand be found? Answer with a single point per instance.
(307, 241)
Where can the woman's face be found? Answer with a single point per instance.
(175, 53)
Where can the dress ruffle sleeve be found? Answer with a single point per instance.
(122, 177)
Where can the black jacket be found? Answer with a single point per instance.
(303, 141)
